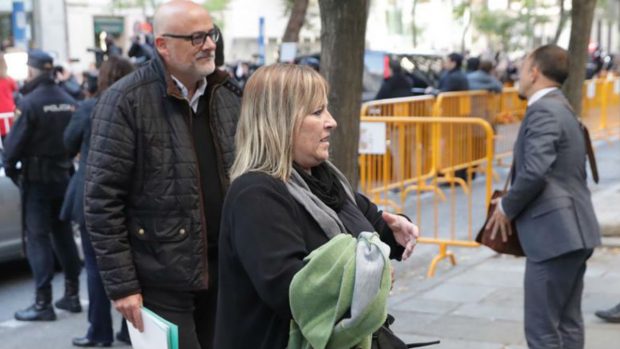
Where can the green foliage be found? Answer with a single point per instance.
(216, 8)
(507, 29)
(216, 5)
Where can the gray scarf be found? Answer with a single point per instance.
(327, 218)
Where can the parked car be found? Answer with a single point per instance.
(423, 67)
(10, 219)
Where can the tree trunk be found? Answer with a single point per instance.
(466, 28)
(561, 23)
(343, 32)
(414, 28)
(581, 25)
(295, 21)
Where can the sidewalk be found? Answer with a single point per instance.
(478, 304)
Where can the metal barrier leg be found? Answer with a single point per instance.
(443, 253)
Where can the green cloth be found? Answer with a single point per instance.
(321, 294)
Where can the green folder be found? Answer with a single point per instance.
(172, 329)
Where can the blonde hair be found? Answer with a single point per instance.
(275, 100)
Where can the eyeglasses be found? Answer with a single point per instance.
(198, 38)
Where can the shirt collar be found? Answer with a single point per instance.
(202, 87)
(540, 94)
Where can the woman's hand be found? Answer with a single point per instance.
(405, 232)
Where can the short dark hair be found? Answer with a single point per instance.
(473, 63)
(486, 66)
(457, 58)
(112, 70)
(552, 61)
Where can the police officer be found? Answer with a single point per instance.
(36, 142)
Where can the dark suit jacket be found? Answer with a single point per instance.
(549, 198)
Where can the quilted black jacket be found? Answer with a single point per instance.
(143, 204)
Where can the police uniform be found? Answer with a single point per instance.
(36, 141)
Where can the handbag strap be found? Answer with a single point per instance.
(590, 152)
(423, 344)
(509, 177)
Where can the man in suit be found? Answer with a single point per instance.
(550, 203)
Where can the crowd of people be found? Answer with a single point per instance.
(474, 73)
(217, 207)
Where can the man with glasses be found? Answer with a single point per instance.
(161, 146)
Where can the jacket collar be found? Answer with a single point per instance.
(215, 78)
(540, 94)
(44, 78)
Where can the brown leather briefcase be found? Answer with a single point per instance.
(512, 245)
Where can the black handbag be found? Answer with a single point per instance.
(384, 338)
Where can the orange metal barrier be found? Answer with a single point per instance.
(507, 121)
(425, 151)
(407, 106)
(478, 103)
(613, 111)
(601, 106)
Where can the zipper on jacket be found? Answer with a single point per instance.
(203, 229)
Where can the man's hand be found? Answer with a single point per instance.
(130, 308)
(405, 232)
(499, 222)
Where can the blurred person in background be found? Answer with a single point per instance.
(66, 79)
(452, 77)
(399, 84)
(35, 141)
(473, 64)
(482, 79)
(139, 51)
(8, 87)
(77, 140)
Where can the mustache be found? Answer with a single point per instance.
(206, 54)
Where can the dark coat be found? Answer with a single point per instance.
(397, 85)
(264, 238)
(36, 136)
(143, 200)
(453, 80)
(77, 140)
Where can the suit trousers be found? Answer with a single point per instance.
(192, 311)
(553, 290)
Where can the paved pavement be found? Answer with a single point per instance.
(478, 304)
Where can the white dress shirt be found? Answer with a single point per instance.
(202, 87)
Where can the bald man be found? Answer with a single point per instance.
(161, 146)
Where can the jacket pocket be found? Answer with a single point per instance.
(160, 229)
(551, 205)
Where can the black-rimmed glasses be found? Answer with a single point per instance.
(198, 38)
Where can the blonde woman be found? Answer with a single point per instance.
(285, 201)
